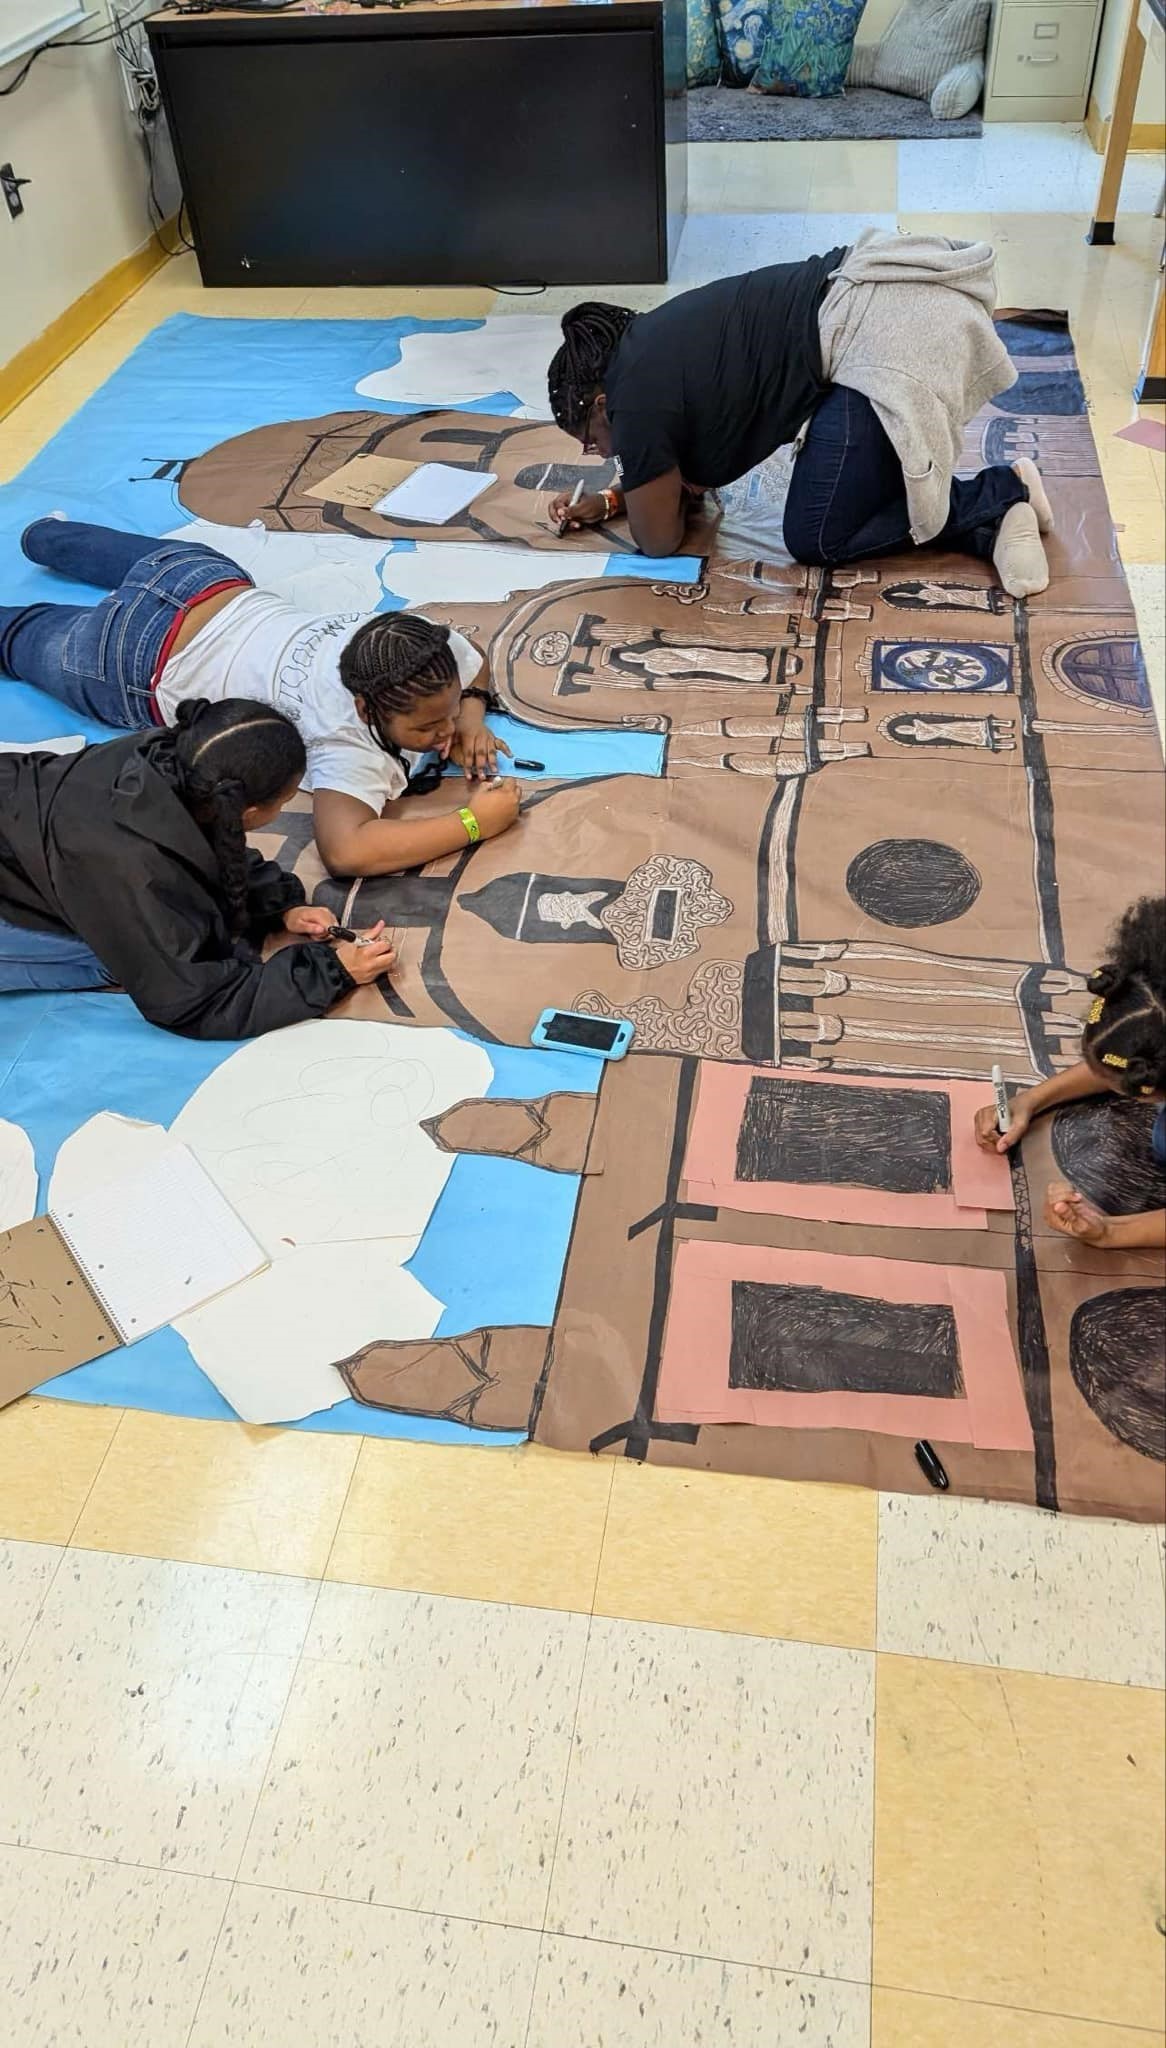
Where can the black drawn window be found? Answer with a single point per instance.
(810, 1340)
(897, 1140)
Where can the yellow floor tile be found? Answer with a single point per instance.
(1018, 1841)
(386, 302)
(900, 2019)
(757, 1556)
(512, 1525)
(265, 1500)
(50, 1454)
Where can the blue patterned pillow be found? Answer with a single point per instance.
(704, 48)
(744, 25)
(807, 47)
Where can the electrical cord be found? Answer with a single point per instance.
(71, 43)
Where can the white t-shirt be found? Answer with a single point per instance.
(262, 648)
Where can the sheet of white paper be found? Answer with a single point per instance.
(72, 744)
(104, 1149)
(435, 492)
(18, 1181)
(506, 353)
(271, 1346)
(481, 574)
(333, 572)
(312, 1133)
(319, 572)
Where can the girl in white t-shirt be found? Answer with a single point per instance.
(368, 694)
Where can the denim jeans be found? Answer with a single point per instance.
(101, 660)
(847, 499)
(46, 960)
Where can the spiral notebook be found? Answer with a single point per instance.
(122, 1261)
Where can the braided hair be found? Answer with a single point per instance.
(392, 660)
(231, 756)
(591, 335)
(1125, 1032)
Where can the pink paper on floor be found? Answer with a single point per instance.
(1145, 433)
(979, 1180)
(694, 1369)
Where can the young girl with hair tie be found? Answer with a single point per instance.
(1124, 1048)
(127, 864)
(369, 695)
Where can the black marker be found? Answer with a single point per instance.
(930, 1466)
(531, 767)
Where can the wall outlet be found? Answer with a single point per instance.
(10, 186)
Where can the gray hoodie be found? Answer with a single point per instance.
(908, 322)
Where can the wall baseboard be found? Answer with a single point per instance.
(1144, 135)
(38, 359)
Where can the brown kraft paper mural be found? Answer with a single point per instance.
(897, 816)
(1087, 1328)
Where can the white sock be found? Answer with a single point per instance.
(1038, 497)
(63, 516)
(1020, 559)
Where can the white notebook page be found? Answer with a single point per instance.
(158, 1243)
(435, 492)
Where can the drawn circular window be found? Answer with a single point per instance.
(911, 882)
(1104, 1148)
(1117, 1356)
(550, 649)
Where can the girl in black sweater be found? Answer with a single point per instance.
(128, 864)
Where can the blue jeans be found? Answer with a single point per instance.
(46, 960)
(847, 499)
(101, 660)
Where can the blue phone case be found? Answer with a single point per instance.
(625, 1031)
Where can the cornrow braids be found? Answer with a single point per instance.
(392, 660)
(591, 334)
(1125, 1031)
(230, 757)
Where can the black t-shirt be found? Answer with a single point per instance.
(713, 381)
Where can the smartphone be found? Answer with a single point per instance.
(574, 1031)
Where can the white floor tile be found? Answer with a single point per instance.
(325, 1973)
(719, 1800)
(978, 1582)
(594, 1994)
(140, 1718)
(721, 244)
(422, 1758)
(1016, 167)
(26, 1570)
(94, 1956)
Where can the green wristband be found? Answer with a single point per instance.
(473, 829)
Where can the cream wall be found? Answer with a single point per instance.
(69, 129)
(1151, 107)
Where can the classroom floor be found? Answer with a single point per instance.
(329, 1743)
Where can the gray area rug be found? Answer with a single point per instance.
(719, 113)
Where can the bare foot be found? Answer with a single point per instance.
(1019, 556)
(1038, 497)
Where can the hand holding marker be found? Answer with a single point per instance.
(576, 494)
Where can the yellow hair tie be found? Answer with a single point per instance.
(1095, 1009)
(1113, 1059)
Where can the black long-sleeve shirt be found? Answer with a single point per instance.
(100, 845)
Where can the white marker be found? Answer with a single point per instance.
(1003, 1113)
(576, 494)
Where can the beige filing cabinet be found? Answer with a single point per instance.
(1040, 60)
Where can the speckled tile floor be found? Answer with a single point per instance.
(311, 1742)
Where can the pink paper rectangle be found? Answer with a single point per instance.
(694, 1372)
(980, 1180)
(1144, 433)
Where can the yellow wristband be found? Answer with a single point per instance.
(473, 829)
